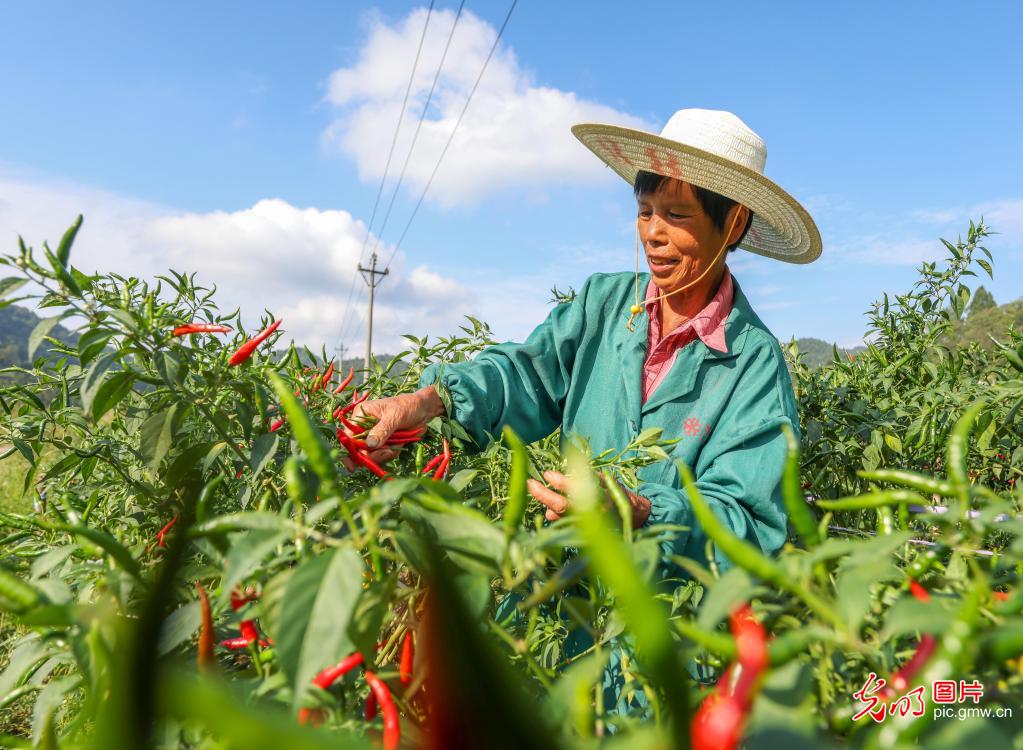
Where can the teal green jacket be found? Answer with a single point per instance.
(581, 370)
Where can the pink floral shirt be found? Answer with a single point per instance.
(708, 325)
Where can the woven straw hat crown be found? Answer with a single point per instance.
(717, 151)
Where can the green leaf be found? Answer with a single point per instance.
(64, 248)
(91, 343)
(178, 627)
(156, 435)
(9, 284)
(110, 392)
(248, 550)
(263, 451)
(94, 377)
(316, 611)
(42, 329)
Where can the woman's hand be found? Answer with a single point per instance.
(557, 503)
(403, 412)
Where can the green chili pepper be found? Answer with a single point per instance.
(15, 595)
(64, 248)
(516, 506)
(919, 482)
(955, 455)
(748, 557)
(873, 500)
(925, 560)
(799, 512)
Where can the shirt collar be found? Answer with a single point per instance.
(708, 324)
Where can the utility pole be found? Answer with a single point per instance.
(372, 281)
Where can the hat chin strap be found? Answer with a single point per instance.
(637, 308)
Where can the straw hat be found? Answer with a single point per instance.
(717, 151)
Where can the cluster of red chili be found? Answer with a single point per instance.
(249, 631)
(379, 698)
(719, 721)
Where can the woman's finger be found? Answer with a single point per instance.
(557, 480)
(550, 515)
(382, 455)
(548, 497)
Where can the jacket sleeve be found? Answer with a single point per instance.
(738, 472)
(520, 385)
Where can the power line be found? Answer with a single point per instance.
(419, 127)
(387, 166)
(452, 135)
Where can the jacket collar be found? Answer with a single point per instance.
(681, 380)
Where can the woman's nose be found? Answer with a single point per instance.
(654, 230)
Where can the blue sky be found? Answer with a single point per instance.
(246, 141)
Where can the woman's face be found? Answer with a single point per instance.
(679, 239)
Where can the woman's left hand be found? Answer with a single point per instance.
(557, 502)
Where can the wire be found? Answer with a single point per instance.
(419, 127)
(387, 166)
(452, 135)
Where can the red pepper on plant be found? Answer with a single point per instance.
(324, 680)
(348, 379)
(277, 424)
(162, 533)
(207, 659)
(719, 722)
(392, 727)
(327, 374)
(407, 657)
(928, 645)
(245, 350)
(190, 328)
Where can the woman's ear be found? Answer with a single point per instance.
(740, 217)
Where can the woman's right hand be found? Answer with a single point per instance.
(407, 411)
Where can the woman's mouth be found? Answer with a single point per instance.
(661, 265)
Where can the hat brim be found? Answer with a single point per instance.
(781, 227)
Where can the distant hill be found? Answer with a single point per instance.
(817, 352)
(993, 319)
(16, 324)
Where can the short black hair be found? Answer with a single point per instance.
(715, 205)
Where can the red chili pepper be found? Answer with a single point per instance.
(248, 628)
(207, 659)
(240, 643)
(277, 425)
(433, 463)
(392, 728)
(199, 328)
(360, 456)
(163, 532)
(918, 591)
(348, 379)
(1001, 596)
(330, 675)
(719, 721)
(371, 706)
(407, 657)
(327, 374)
(442, 469)
(245, 350)
(928, 644)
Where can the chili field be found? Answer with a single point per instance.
(187, 563)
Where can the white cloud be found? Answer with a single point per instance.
(298, 263)
(1002, 216)
(515, 133)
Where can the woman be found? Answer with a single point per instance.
(677, 348)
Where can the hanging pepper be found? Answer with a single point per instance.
(407, 657)
(719, 722)
(392, 728)
(348, 379)
(206, 657)
(324, 680)
(326, 375)
(200, 328)
(161, 534)
(928, 645)
(245, 350)
(277, 425)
